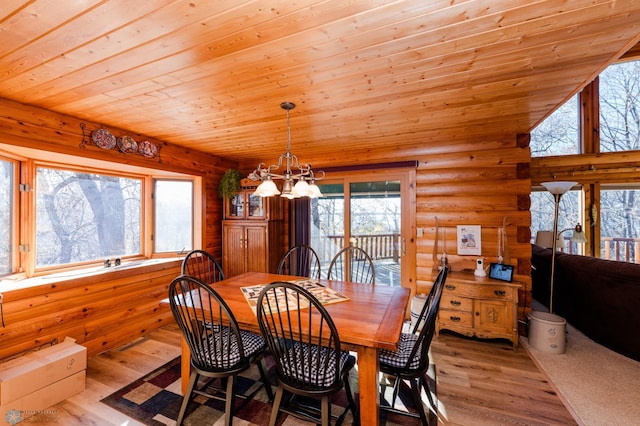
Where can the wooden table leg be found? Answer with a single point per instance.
(185, 365)
(368, 372)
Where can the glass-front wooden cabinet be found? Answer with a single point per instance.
(252, 232)
(245, 205)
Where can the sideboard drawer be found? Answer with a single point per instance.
(455, 318)
(453, 301)
(494, 292)
(479, 291)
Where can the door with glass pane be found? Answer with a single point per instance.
(370, 212)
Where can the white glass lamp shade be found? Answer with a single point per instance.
(266, 189)
(558, 187)
(301, 189)
(314, 191)
(578, 235)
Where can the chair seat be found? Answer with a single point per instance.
(306, 365)
(252, 343)
(400, 358)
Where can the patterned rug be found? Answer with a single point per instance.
(155, 400)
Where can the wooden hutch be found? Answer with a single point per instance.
(252, 232)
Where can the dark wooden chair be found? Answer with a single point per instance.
(352, 264)
(219, 349)
(203, 266)
(301, 261)
(306, 366)
(411, 361)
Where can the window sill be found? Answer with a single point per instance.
(8, 284)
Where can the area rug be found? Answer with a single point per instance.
(155, 400)
(597, 385)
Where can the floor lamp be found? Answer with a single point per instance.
(557, 188)
(547, 330)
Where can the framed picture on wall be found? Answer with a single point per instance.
(468, 240)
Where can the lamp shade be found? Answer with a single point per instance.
(314, 191)
(578, 235)
(266, 189)
(558, 187)
(301, 189)
(544, 239)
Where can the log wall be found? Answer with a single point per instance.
(487, 186)
(30, 127)
(101, 311)
(105, 310)
(485, 183)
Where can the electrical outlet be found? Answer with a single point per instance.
(420, 232)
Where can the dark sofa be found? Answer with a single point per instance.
(601, 298)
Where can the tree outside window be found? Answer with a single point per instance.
(620, 107)
(84, 216)
(620, 223)
(174, 215)
(558, 134)
(619, 115)
(6, 215)
(620, 131)
(542, 212)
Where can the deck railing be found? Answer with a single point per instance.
(615, 248)
(623, 249)
(380, 246)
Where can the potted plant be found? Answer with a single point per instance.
(230, 183)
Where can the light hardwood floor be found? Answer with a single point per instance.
(479, 383)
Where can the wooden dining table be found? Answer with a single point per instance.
(369, 321)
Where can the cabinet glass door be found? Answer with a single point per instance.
(256, 206)
(235, 207)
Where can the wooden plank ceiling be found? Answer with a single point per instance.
(371, 79)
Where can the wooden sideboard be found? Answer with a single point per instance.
(479, 306)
